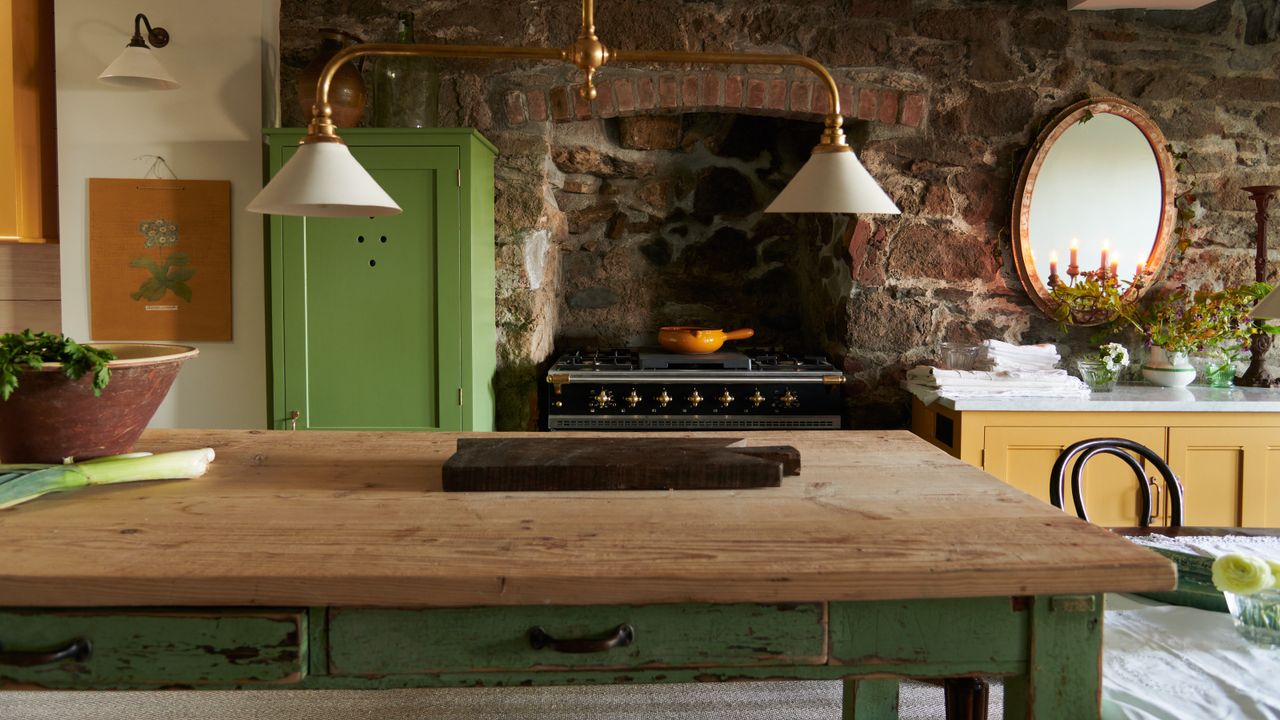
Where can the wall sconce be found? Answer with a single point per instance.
(323, 179)
(137, 67)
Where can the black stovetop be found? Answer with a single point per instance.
(644, 359)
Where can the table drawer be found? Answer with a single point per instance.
(384, 642)
(149, 648)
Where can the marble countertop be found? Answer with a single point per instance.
(1134, 398)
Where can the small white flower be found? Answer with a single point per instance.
(1115, 356)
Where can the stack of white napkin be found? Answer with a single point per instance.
(998, 355)
(930, 383)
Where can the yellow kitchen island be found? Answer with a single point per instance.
(333, 560)
(1224, 444)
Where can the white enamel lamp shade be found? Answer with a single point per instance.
(137, 67)
(323, 179)
(1269, 307)
(833, 182)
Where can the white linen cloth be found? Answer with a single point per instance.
(1265, 547)
(1177, 663)
(930, 383)
(1000, 355)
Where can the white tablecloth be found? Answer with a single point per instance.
(1180, 663)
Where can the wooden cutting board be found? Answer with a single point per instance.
(581, 463)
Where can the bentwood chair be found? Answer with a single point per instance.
(1076, 455)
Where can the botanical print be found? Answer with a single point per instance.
(172, 273)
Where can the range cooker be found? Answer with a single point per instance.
(626, 389)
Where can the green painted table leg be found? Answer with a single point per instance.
(870, 700)
(1064, 676)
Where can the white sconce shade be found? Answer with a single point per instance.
(137, 67)
(833, 182)
(323, 179)
(1269, 307)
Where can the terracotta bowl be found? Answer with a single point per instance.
(49, 417)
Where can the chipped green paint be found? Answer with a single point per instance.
(932, 638)
(870, 700)
(383, 642)
(1063, 679)
(150, 649)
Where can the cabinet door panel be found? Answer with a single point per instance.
(371, 326)
(1231, 475)
(1024, 457)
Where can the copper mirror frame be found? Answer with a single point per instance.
(1036, 286)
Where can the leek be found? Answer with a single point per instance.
(22, 482)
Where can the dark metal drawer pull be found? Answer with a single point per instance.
(621, 636)
(78, 649)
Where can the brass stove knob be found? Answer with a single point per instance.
(633, 399)
(695, 399)
(756, 398)
(663, 398)
(725, 398)
(602, 399)
(789, 399)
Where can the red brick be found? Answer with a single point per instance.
(536, 101)
(733, 91)
(581, 105)
(516, 113)
(689, 91)
(800, 96)
(711, 90)
(888, 107)
(755, 93)
(820, 101)
(777, 97)
(624, 92)
(846, 99)
(867, 99)
(647, 98)
(668, 92)
(913, 107)
(603, 103)
(561, 104)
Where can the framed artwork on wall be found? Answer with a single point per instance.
(160, 259)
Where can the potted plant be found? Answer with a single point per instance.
(1174, 324)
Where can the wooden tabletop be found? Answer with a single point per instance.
(326, 518)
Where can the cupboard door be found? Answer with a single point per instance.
(370, 325)
(1024, 457)
(1230, 475)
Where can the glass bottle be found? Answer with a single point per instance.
(406, 90)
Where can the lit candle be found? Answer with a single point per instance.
(1053, 263)
(1075, 249)
(1115, 269)
(1142, 268)
(1106, 244)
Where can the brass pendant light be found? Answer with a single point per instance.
(323, 179)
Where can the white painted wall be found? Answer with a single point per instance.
(209, 129)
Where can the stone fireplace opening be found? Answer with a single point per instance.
(666, 226)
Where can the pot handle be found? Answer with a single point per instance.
(741, 334)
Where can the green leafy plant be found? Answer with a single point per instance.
(171, 275)
(31, 350)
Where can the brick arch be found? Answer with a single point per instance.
(635, 93)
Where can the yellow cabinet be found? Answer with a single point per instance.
(1228, 461)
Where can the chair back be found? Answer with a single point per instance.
(1078, 454)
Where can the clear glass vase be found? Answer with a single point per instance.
(1220, 374)
(1097, 375)
(1257, 616)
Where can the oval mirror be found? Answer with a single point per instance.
(1095, 196)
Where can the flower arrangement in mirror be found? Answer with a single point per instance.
(1093, 298)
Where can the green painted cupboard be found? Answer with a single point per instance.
(388, 323)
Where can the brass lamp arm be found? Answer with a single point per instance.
(588, 54)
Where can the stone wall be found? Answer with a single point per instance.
(941, 99)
